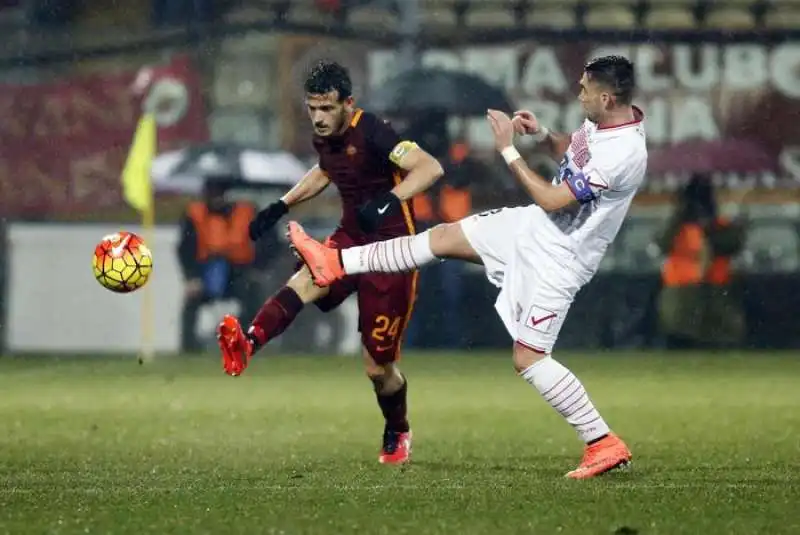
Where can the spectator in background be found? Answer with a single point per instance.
(217, 258)
(698, 304)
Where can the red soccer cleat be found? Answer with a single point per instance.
(323, 262)
(603, 456)
(396, 448)
(236, 348)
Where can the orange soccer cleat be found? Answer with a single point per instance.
(323, 262)
(396, 448)
(236, 348)
(605, 455)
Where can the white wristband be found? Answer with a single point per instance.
(541, 135)
(510, 154)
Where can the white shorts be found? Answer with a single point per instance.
(535, 293)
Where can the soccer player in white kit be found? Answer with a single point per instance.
(539, 255)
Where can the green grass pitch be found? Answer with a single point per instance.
(97, 445)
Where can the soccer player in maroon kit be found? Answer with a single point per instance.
(376, 173)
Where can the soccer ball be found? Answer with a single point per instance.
(122, 262)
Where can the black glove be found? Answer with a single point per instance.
(266, 219)
(372, 213)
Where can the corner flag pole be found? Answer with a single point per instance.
(138, 192)
(147, 350)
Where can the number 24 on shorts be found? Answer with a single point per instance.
(386, 327)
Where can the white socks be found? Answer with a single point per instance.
(391, 256)
(565, 393)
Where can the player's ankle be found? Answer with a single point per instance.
(256, 336)
(251, 339)
(596, 440)
(397, 427)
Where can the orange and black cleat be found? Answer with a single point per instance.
(396, 448)
(324, 262)
(236, 348)
(607, 454)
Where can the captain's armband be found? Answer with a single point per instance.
(400, 151)
(581, 188)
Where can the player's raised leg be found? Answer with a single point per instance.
(385, 304)
(604, 451)
(274, 316)
(398, 255)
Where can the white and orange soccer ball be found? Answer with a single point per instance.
(122, 262)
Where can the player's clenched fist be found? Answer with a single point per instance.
(525, 122)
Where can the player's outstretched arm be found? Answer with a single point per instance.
(526, 123)
(307, 188)
(311, 185)
(547, 196)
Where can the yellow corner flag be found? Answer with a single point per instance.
(136, 185)
(138, 192)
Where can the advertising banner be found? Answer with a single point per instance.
(728, 109)
(63, 144)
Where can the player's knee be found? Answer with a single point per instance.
(375, 370)
(303, 284)
(378, 376)
(385, 378)
(438, 238)
(447, 240)
(524, 357)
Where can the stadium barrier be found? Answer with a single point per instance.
(57, 292)
(3, 284)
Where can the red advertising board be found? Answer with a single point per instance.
(63, 144)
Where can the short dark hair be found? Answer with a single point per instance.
(616, 73)
(327, 76)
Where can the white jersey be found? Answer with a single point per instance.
(540, 260)
(604, 168)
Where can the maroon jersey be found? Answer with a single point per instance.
(357, 161)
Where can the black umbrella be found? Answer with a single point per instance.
(188, 169)
(422, 90)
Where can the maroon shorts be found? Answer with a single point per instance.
(385, 303)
